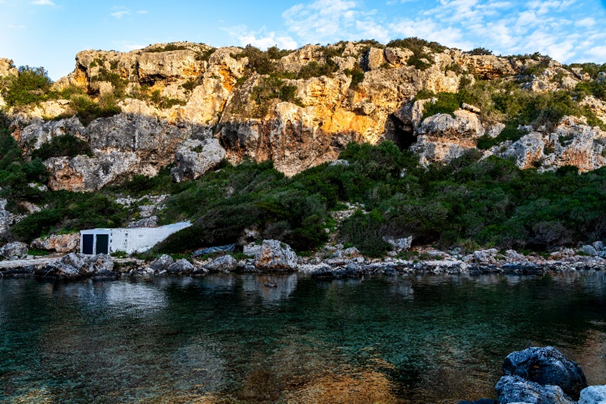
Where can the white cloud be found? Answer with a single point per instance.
(43, 3)
(585, 22)
(320, 20)
(261, 39)
(142, 12)
(120, 14)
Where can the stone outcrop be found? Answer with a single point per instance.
(195, 158)
(76, 266)
(275, 256)
(572, 143)
(443, 137)
(59, 243)
(226, 263)
(14, 251)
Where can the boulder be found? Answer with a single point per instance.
(480, 401)
(546, 366)
(162, 263)
(195, 158)
(373, 59)
(514, 389)
(226, 263)
(593, 395)
(399, 244)
(14, 251)
(485, 256)
(75, 266)
(60, 243)
(181, 267)
(276, 256)
(589, 250)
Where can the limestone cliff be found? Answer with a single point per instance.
(192, 105)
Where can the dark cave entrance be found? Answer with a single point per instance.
(401, 133)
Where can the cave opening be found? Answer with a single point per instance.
(399, 132)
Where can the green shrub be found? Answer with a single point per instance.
(31, 85)
(87, 110)
(480, 52)
(315, 69)
(357, 77)
(63, 146)
(365, 232)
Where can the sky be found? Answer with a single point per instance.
(49, 33)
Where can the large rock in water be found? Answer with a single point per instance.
(75, 266)
(276, 256)
(226, 263)
(514, 389)
(593, 395)
(546, 366)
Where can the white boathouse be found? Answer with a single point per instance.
(135, 240)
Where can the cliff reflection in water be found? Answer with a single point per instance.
(413, 338)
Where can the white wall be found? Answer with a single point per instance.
(137, 239)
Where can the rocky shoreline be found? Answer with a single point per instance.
(331, 263)
(543, 376)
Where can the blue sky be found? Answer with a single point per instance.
(49, 33)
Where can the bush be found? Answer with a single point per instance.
(87, 110)
(365, 232)
(63, 146)
(31, 85)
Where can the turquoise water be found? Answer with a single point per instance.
(432, 338)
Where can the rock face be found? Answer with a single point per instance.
(443, 137)
(276, 256)
(546, 366)
(62, 244)
(7, 219)
(514, 389)
(195, 158)
(192, 105)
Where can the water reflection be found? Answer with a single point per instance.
(422, 338)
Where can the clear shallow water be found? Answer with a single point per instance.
(417, 339)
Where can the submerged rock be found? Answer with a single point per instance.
(546, 366)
